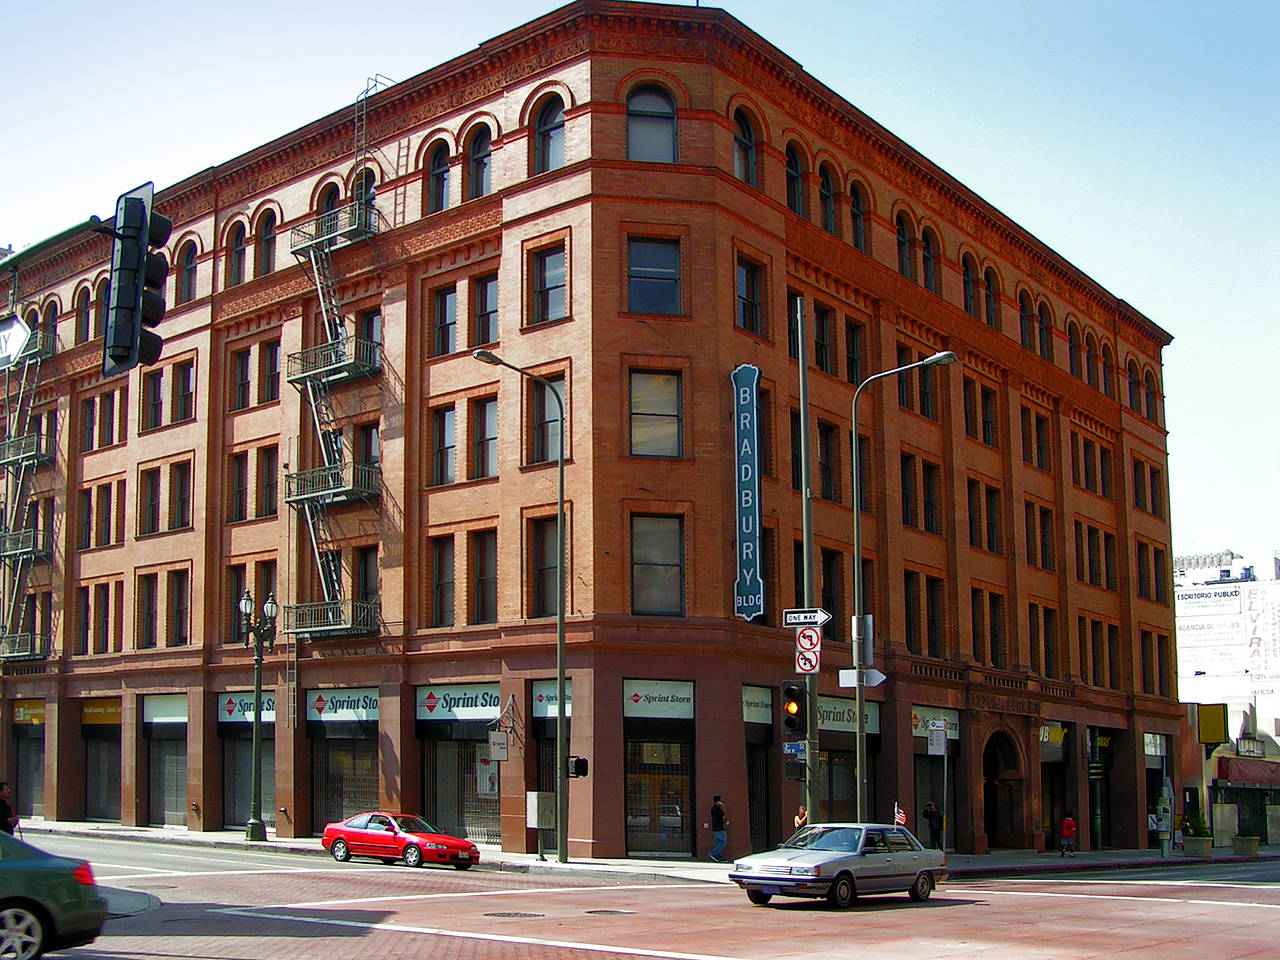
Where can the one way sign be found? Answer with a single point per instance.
(805, 617)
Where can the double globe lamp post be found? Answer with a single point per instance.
(264, 634)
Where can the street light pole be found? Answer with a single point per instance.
(862, 651)
(562, 732)
(262, 632)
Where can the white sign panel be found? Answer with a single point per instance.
(457, 701)
(1207, 600)
(342, 705)
(486, 772)
(840, 713)
(920, 717)
(544, 699)
(666, 699)
(498, 745)
(238, 707)
(757, 704)
(164, 708)
(808, 661)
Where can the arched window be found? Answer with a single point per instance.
(1073, 349)
(438, 180)
(1046, 332)
(1150, 398)
(970, 272)
(235, 256)
(1108, 372)
(1027, 321)
(478, 160)
(267, 243)
(84, 316)
(1091, 360)
(548, 149)
(49, 328)
(100, 310)
(744, 149)
(1135, 388)
(366, 191)
(991, 284)
(858, 217)
(795, 180)
(651, 126)
(827, 199)
(187, 272)
(930, 253)
(329, 214)
(904, 246)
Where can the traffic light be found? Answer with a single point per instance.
(795, 712)
(136, 292)
(577, 766)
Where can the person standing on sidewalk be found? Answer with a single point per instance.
(1068, 832)
(719, 823)
(933, 817)
(8, 819)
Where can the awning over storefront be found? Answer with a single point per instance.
(1247, 770)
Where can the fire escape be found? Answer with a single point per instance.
(338, 358)
(23, 541)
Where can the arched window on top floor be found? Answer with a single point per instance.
(236, 256)
(1151, 398)
(49, 329)
(1026, 320)
(438, 179)
(548, 148)
(100, 309)
(1091, 360)
(1046, 332)
(969, 272)
(744, 149)
(1073, 349)
(266, 252)
(1135, 388)
(186, 282)
(991, 291)
(329, 213)
(479, 159)
(1108, 372)
(795, 180)
(858, 217)
(905, 245)
(827, 198)
(84, 317)
(651, 126)
(931, 257)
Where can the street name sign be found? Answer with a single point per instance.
(871, 677)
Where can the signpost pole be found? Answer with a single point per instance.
(812, 799)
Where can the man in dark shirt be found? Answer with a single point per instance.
(718, 823)
(8, 819)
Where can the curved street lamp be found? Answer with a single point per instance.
(562, 739)
(262, 632)
(860, 661)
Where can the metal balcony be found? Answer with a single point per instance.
(33, 449)
(24, 543)
(341, 483)
(333, 619)
(348, 223)
(335, 362)
(42, 343)
(22, 646)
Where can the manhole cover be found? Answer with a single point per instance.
(611, 913)
(515, 915)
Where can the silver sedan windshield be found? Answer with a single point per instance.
(842, 839)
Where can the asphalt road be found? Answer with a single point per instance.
(215, 904)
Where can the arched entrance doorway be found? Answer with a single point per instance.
(1003, 793)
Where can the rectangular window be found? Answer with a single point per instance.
(995, 541)
(367, 574)
(1109, 559)
(1095, 556)
(269, 371)
(1033, 635)
(88, 423)
(266, 579)
(84, 623)
(444, 444)
(823, 352)
(152, 400)
(179, 495)
(444, 339)
(978, 617)
(101, 617)
(832, 577)
(149, 508)
(239, 379)
(864, 489)
(237, 584)
(103, 511)
(970, 408)
(368, 445)
(906, 382)
(1050, 642)
(1029, 518)
(484, 571)
(989, 418)
(369, 326)
(148, 610)
(1099, 653)
(1075, 458)
(442, 581)
(975, 514)
(1046, 538)
(1079, 528)
(995, 621)
(764, 405)
(546, 596)
(657, 565)
(548, 430)
(794, 305)
(656, 414)
(1157, 492)
(179, 608)
(268, 481)
(86, 519)
(1148, 661)
(911, 609)
(484, 293)
(928, 407)
(484, 432)
(828, 467)
(797, 473)
(239, 502)
(1113, 656)
(1104, 471)
(1089, 454)
(1042, 442)
(653, 276)
(184, 391)
(1139, 484)
(853, 333)
(1028, 441)
(106, 420)
(907, 467)
(1164, 663)
(750, 298)
(550, 300)
(935, 618)
(1159, 574)
(930, 474)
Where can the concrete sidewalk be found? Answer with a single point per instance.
(962, 866)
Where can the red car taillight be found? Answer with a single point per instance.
(83, 874)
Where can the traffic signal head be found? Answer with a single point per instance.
(577, 766)
(136, 291)
(795, 710)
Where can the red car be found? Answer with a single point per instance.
(396, 836)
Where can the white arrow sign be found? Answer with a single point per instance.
(871, 677)
(805, 617)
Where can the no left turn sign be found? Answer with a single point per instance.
(808, 639)
(807, 662)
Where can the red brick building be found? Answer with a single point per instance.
(629, 200)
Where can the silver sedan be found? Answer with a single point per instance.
(840, 861)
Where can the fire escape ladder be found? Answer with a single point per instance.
(20, 538)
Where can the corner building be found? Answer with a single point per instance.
(630, 201)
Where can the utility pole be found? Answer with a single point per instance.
(812, 799)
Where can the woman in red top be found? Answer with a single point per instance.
(1068, 836)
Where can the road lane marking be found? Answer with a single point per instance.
(477, 893)
(1264, 885)
(1103, 896)
(212, 873)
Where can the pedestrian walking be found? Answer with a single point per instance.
(933, 817)
(719, 828)
(801, 817)
(1068, 831)
(8, 818)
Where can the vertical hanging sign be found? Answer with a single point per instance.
(748, 587)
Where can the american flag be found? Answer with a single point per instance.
(899, 815)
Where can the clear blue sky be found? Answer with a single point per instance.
(1138, 139)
